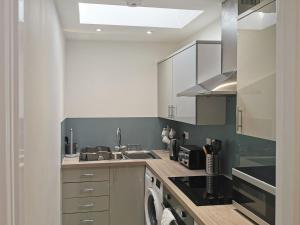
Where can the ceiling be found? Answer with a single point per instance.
(69, 15)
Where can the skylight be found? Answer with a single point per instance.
(135, 16)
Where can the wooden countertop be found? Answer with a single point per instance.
(69, 163)
(164, 168)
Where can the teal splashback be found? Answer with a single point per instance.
(238, 150)
(102, 131)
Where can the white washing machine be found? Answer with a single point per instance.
(153, 199)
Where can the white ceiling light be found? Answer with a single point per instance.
(149, 32)
(99, 30)
(135, 16)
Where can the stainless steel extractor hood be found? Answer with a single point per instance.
(222, 84)
(225, 83)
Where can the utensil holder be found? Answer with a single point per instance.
(212, 164)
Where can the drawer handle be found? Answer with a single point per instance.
(87, 190)
(88, 175)
(89, 205)
(87, 221)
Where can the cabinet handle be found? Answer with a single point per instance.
(86, 190)
(87, 221)
(169, 113)
(88, 175)
(240, 120)
(89, 205)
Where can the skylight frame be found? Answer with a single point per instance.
(117, 15)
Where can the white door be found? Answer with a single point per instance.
(165, 88)
(256, 68)
(184, 77)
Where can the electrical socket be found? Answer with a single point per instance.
(186, 135)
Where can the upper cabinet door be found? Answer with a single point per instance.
(164, 88)
(184, 77)
(208, 61)
(256, 68)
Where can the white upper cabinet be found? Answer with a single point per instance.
(184, 77)
(209, 61)
(256, 94)
(165, 88)
(195, 63)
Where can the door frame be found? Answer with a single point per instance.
(9, 119)
(288, 113)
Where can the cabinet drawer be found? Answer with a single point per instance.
(85, 189)
(90, 204)
(83, 175)
(91, 218)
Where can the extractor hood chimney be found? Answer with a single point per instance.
(224, 83)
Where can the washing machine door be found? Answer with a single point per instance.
(153, 208)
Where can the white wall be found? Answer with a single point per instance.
(112, 79)
(43, 100)
(210, 32)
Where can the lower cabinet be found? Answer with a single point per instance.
(127, 189)
(103, 196)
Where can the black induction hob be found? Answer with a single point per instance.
(205, 190)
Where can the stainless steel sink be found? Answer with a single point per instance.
(100, 153)
(117, 156)
(141, 154)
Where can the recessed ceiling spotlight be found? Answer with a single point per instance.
(99, 30)
(149, 32)
(133, 3)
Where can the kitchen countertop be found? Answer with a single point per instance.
(75, 163)
(164, 168)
